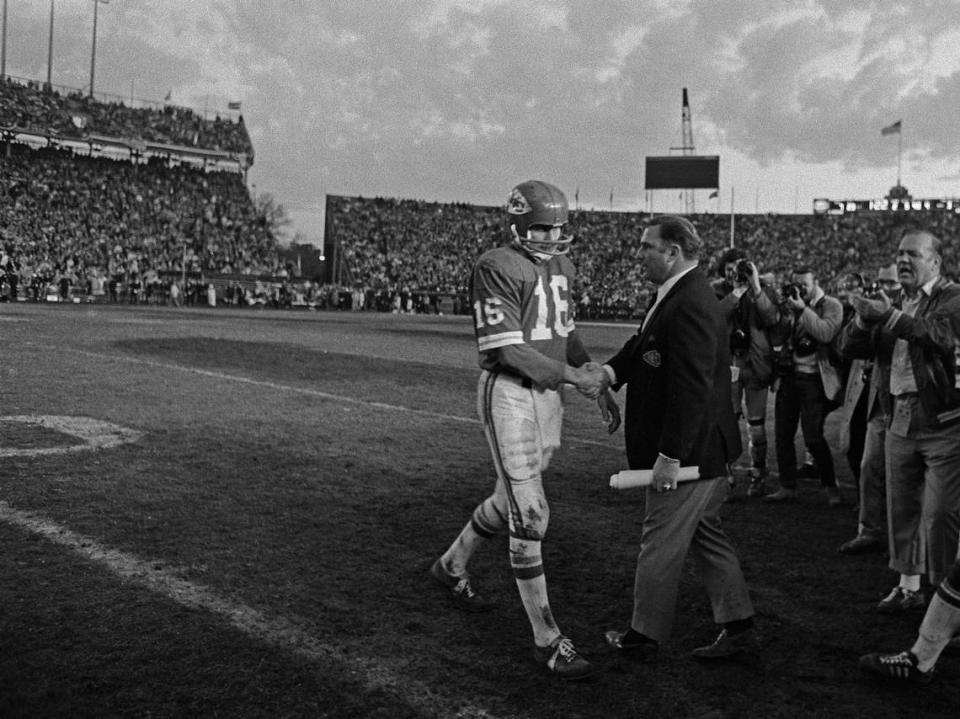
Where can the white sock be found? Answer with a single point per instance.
(455, 559)
(528, 570)
(910, 582)
(939, 625)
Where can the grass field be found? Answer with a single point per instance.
(253, 538)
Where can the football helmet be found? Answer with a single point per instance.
(535, 203)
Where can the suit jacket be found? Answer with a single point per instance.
(677, 373)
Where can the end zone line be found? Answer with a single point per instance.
(287, 388)
(275, 631)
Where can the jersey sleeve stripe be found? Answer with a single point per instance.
(499, 340)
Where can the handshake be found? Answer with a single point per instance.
(590, 379)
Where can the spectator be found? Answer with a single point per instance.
(915, 346)
(861, 405)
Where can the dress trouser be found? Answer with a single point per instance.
(801, 399)
(923, 497)
(873, 493)
(684, 520)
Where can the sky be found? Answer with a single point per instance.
(459, 100)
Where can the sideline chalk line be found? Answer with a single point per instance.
(298, 390)
(275, 631)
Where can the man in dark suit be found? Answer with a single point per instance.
(678, 412)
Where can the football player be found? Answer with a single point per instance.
(529, 348)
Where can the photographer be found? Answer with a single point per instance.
(809, 383)
(750, 313)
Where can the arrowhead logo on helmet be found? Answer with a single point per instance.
(536, 213)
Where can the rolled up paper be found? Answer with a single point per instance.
(630, 478)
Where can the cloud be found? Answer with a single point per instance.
(458, 99)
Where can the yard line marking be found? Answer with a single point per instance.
(275, 631)
(288, 388)
(92, 433)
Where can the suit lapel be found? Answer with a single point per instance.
(658, 311)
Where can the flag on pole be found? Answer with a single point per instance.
(235, 105)
(893, 129)
(168, 95)
(576, 198)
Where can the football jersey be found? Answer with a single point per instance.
(518, 301)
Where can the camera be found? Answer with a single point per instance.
(805, 346)
(872, 291)
(742, 271)
(791, 290)
(739, 340)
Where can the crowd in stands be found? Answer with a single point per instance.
(28, 106)
(72, 219)
(387, 243)
(75, 223)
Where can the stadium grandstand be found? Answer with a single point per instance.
(102, 201)
(421, 247)
(99, 196)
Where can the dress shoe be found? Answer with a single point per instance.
(632, 649)
(782, 495)
(757, 488)
(862, 544)
(728, 645)
(901, 600)
(808, 471)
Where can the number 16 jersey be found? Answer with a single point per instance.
(518, 301)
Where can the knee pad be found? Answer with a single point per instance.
(529, 511)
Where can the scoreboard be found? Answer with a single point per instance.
(822, 206)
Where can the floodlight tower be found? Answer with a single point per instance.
(687, 148)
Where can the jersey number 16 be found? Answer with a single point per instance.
(489, 312)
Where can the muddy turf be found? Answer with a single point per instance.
(262, 549)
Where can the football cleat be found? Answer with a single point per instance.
(562, 659)
(461, 591)
(901, 668)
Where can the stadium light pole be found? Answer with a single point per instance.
(50, 49)
(3, 47)
(93, 51)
